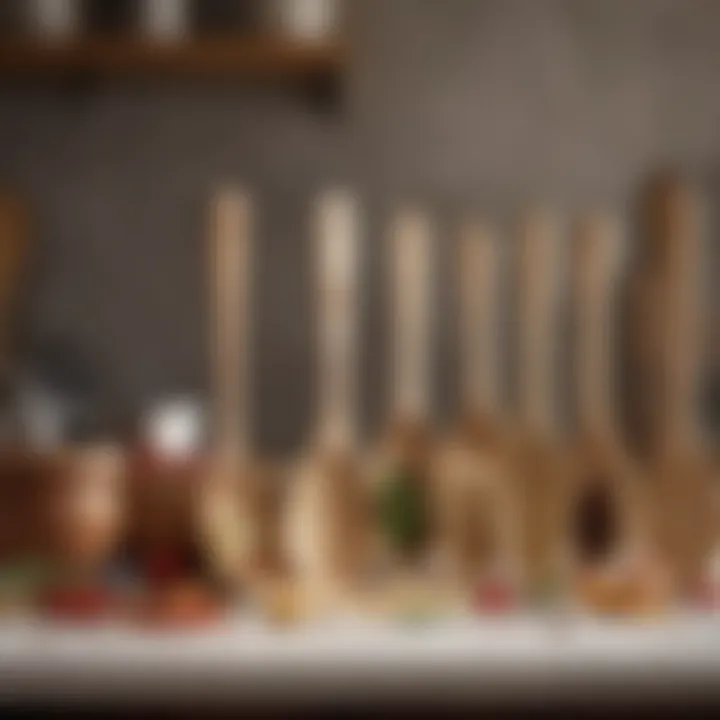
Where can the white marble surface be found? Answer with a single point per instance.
(518, 657)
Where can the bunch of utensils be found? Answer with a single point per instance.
(504, 513)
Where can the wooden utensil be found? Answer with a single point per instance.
(681, 458)
(541, 469)
(325, 520)
(402, 469)
(479, 525)
(231, 507)
(607, 514)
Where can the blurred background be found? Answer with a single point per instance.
(458, 104)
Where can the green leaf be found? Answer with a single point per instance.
(403, 512)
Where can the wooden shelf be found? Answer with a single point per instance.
(243, 57)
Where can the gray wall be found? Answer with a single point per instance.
(453, 102)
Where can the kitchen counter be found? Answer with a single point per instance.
(527, 659)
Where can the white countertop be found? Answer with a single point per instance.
(521, 657)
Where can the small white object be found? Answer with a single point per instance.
(307, 20)
(54, 18)
(164, 19)
(175, 428)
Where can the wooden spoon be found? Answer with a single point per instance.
(323, 527)
(478, 523)
(402, 470)
(608, 517)
(681, 458)
(231, 511)
(540, 472)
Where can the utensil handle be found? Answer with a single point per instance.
(410, 276)
(682, 312)
(230, 274)
(337, 257)
(479, 283)
(539, 268)
(596, 256)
